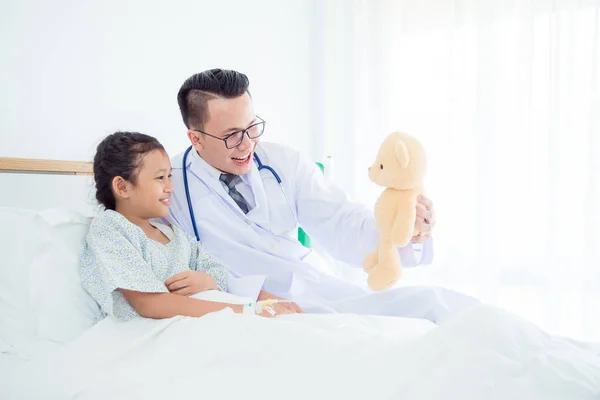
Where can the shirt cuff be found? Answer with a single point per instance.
(416, 254)
(247, 286)
(427, 252)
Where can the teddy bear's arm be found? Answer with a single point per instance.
(404, 222)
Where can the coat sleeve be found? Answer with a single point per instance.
(347, 230)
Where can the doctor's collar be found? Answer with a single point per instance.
(212, 171)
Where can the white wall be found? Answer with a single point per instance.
(72, 72)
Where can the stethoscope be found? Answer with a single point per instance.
(260, 166)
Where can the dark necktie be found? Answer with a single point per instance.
(230, 180)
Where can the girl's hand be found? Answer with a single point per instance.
(189, 283)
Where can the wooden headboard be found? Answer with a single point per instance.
(48, 166)
(43, 184)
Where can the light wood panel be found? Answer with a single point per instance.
(49, 166)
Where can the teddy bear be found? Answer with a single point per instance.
(400, 168)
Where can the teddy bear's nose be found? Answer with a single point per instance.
(368, 169)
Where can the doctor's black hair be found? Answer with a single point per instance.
(197, 90)
(120, 154)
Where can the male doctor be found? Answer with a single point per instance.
(227, 194)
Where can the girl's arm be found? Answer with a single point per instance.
(202, 261)
(167, 305)
(189, 283)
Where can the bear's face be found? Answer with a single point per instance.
(400, 162)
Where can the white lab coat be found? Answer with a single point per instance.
(254, 247)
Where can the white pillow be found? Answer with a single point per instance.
(20, 242)
(60, 309)
(41, 298)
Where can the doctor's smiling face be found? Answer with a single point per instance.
(217, 109)
(228, 120)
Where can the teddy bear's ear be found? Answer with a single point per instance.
(402, 153)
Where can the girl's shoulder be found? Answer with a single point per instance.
(182, 236)
(108, 218)
(111, 222)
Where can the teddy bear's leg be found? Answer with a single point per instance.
(370, 261)
(387, 271)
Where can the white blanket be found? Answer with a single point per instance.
(483, 353)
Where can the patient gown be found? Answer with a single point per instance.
(118, 254)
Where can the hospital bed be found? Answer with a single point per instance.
(51, 347)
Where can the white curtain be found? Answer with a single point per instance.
(505, 97)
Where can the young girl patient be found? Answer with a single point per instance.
(134, 267)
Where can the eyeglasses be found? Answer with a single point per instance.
(236, 138)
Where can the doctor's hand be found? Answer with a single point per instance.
(189, 283)
(283, 308)
(279, 309)
(425, 220)
(293, 308)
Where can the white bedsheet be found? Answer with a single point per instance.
(484, 353)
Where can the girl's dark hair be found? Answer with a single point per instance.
(120, 154)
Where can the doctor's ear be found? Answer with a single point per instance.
(120, 187)
(194, 138)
